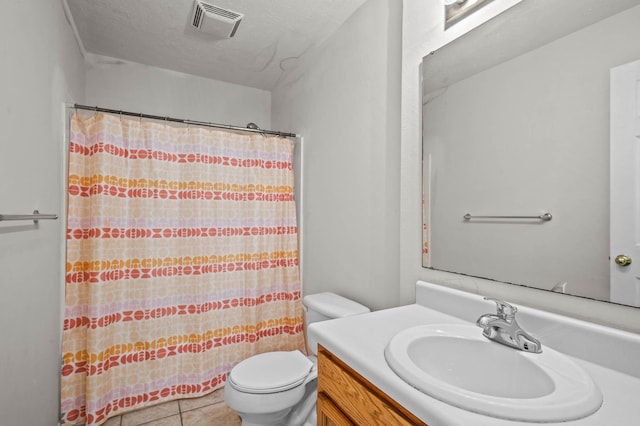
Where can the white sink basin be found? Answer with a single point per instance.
(457, 365)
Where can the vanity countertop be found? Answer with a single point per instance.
(360, 342)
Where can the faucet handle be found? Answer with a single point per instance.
(505, 311)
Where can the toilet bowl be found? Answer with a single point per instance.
(280, 388)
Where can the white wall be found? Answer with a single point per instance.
(128, 86)
(343, 98)
(423, 33)
(41, 69)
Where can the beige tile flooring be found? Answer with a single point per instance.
(209, 410)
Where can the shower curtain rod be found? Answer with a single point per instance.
(183, 121)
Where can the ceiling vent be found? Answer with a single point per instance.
(215, 20)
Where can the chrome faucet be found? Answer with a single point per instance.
(502, 327)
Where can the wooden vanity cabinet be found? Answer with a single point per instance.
(347, 398)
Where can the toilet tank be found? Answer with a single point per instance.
(326, 306)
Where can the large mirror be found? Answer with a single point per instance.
(528, 115)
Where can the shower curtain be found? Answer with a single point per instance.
(181, 261)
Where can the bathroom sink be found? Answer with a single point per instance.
(457, 365)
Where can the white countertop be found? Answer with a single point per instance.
(360, 342)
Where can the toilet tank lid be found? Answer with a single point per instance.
(334, 306)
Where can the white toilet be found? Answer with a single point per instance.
(279, 388)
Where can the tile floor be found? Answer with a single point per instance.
(209, 410)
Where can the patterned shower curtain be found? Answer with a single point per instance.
(181, 261)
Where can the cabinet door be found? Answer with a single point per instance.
(329, 414)
(357, 398)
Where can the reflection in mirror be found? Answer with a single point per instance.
(456, 10)
(516, 122)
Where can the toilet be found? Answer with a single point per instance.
(280, 388)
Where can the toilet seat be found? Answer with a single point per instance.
(280, 388)
(271, 372)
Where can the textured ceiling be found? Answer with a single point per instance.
(157, 32)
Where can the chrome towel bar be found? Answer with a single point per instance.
(546, 217)
(35, 217)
